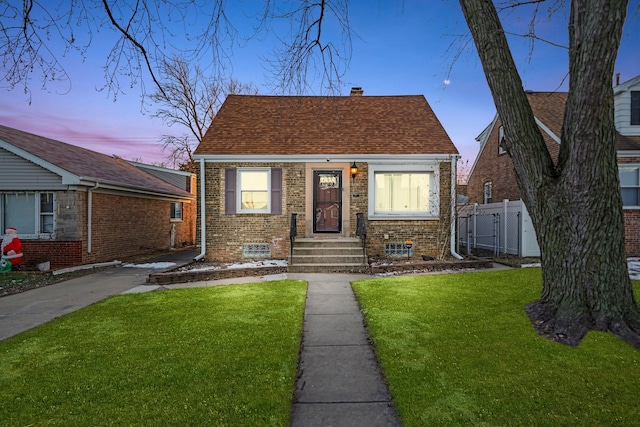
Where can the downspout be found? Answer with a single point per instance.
(452, 239)
(203, 240)
(89, 214)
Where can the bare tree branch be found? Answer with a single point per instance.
(128, 36)
(190, 99)
(309, 54)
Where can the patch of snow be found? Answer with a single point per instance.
(231, 266)
(205, 268)
(153, 265)
(258, 264)
(634, 268)
(535, 264)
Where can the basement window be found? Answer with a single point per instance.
(256, 250)
(397, 250)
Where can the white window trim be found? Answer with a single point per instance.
(434, 190)
(39, 235)
(239, 208)
(629, 165)
(501, 150)
(172, 219)
(488, 195)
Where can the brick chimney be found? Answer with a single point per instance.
(356, 91)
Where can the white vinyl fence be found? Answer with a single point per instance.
(498, 227)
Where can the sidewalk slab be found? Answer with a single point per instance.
(363, 414)
(334, 329)
(334, 374)
(332, 304)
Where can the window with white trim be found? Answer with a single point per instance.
(488, 192)
(635, 107)
(253, 190)
(176, 211)
(403, 191)
(630, 185)
(31, 213)
(501, 149)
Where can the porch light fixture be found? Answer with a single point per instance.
(354, 170)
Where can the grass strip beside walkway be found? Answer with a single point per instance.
(458, 349)
(223, 356)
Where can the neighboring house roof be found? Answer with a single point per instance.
(622, 87)
(79, 166)
(321, 125)
(548, 109)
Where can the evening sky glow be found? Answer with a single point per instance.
(401, 48)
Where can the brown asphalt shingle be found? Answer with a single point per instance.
(268, 125)
(86, 163)
(548, 107)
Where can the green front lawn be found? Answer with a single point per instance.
(458, 349)
(223, 356)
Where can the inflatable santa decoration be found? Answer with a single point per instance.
(11, 249)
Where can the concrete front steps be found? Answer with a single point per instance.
(324, 255)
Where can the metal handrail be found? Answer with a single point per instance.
(293, 231)
(361, 231)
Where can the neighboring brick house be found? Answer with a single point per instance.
(74, 206)
(265, 158)
(492, 177)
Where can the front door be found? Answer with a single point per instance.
(327, 201)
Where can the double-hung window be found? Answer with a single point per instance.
(630, 185)
(253, 190)
(501, 149)
(31, 213)
(176, 211)
(403, 192)
(488, 192)
(635, 107)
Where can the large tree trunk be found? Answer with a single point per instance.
(575, 205)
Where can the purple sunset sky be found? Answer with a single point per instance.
(401, 48)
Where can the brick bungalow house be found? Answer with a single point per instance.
(325, 159)
(74, 206)
(492, 177)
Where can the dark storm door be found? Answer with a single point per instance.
(327, 201)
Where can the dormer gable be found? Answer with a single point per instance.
(627, 106)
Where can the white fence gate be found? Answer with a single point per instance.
(499, 227)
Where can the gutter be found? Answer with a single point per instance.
(89, 214)
(203, 240)
(452, 238)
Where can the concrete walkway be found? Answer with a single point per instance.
(339, 381)
(23, 311)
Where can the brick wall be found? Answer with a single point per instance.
(59, 253)
(123, 226)
(491, 166)
(631, 219)
(225, 234)
(428, 237)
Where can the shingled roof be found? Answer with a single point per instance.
(274, 125)
(548, 107)
(85, 164)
